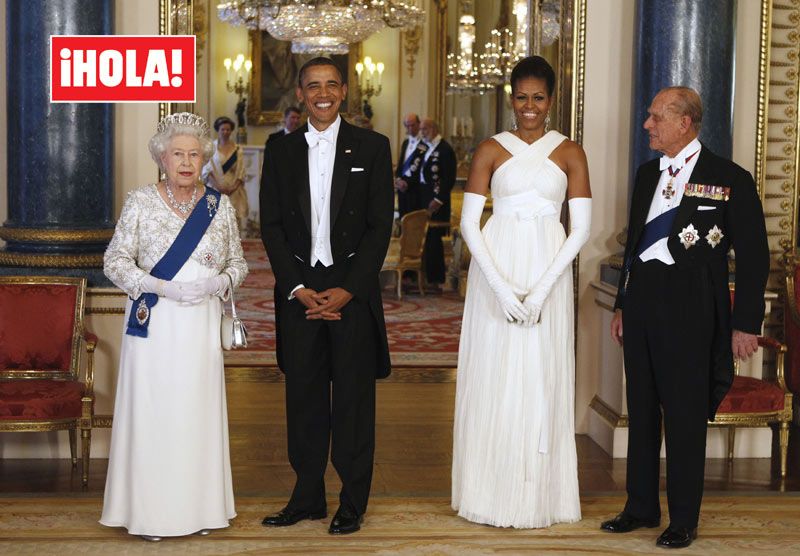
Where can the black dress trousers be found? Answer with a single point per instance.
(330, 395)
(669, 321)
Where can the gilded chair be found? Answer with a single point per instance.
(792, 323)
(41, 332)
(405, 252)
(759, 402)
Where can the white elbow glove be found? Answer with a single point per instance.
(580, 218)
(508, 299)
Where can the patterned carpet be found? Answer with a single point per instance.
(423, 330)
(730, 525)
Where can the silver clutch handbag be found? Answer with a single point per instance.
(233, 331)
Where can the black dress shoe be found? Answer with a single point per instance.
(677, 537)
(289, 516)
(345, 522)
(625, 523)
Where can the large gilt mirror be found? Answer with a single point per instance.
(484, 40)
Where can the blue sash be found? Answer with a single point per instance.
(658, 228)
(173, 260)
(230, 162)
(410, 159)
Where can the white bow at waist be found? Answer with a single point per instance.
(526, 206)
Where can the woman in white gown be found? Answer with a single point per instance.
(169, 470)
(514, 458)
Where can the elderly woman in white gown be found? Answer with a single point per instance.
(176, 252)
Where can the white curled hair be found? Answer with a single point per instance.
(180, 124)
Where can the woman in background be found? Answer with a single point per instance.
(225, 172)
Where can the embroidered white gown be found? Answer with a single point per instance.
(514, 457)
(169, 469)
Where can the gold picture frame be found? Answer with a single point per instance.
(263, 111)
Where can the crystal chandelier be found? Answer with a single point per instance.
(321, 26)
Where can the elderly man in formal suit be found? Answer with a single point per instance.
(291, 121)
(326, 218)
(409, 166)
(437, 178)
(680, 337)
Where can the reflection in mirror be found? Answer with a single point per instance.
(485, 40)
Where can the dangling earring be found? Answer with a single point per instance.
(514, 122)
(547, 123)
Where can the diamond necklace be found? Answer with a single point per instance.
(182, 207)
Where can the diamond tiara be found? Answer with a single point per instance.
(182, 118)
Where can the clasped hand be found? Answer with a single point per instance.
(196, 291)
(324, 305)
(520, 306)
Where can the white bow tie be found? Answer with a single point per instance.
(314, 137)
(675, 163)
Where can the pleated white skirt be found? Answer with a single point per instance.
(514, 457)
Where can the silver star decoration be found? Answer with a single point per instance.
(688, 236)
(714, 236)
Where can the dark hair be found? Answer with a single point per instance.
(291, 109)
(223, 120)
(534, 66)
(318, 61)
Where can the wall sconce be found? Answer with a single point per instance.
(239, 87)
(369, 84)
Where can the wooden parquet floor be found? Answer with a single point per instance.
(401, 526)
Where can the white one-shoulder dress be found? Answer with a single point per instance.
(514, 457)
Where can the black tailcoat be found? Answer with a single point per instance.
(741, 220)
(677, 326)
(409, 200)
(277, 135)
(361, 217)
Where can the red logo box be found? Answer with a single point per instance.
(122, 68)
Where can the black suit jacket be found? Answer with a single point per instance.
(361, 216)
(741, 220)
(277, 135)
(440, 177)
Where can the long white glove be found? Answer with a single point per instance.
(182, 292)
(471, 232)
(580, 219)
(216, 285)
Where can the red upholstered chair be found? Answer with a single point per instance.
(759, 402)
(792, 324)
(41, 332)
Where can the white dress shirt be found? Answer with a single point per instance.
(431, 147)
(320, 176)
(659, 205)
(321, 157)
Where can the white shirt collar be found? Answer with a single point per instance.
(332, 131)
(679, 161)
(435, 143)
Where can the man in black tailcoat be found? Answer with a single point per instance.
(409, 165)
(680, 337)
(291, 121)
(326, 218)
(437, 179)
